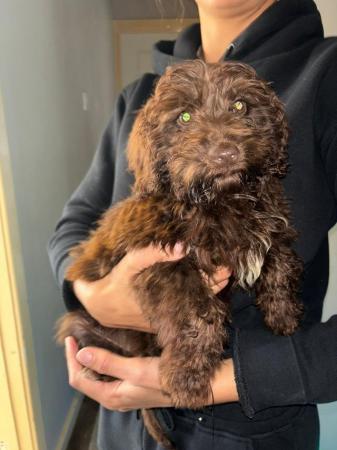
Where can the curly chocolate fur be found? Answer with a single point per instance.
(212, 183)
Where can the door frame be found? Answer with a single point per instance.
(120, 27)
(21, 425)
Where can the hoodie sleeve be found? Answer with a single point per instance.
(86, 204)
(278, 370)
(300, 369)
(325, 123)
(330, 155)
(331, 159)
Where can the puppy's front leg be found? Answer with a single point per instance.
(277, 289)
(133, 223)
(189, 321)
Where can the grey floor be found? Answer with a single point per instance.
(84, 433)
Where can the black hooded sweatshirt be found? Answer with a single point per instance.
(286, 46)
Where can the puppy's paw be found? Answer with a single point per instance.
(284, 325)
(187, 387)
(95, 376)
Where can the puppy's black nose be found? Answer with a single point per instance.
(226, 155)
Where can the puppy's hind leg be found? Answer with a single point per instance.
(189, 321)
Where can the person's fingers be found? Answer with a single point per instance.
(216, 288)
(221, 275)
(137, 370)
(77, 379)
(121, 394)
(136, 260)
(104, 392)
(71, 349)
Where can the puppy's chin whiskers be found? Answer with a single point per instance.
(230, 183)
(201, 195)
(210, 192)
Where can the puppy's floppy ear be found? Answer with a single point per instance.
(279, 160)
(140, 153)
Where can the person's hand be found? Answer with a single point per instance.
(138, 385)
(112, 301)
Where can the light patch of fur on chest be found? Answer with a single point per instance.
(251, 262)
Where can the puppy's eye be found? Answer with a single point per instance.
(185, 117)
(239, 107)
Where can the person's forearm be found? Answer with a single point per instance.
(224, 385)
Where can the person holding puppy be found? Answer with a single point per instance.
(266, 390)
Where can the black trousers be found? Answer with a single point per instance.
(298, 430)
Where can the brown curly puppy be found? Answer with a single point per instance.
(207, 150)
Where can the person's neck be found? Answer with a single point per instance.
(219, 31)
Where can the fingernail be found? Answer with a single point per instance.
(178, 249)
(84, 357)
(69, 342)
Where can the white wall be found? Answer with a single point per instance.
(153, 9)
(328, 10)
(50, 52)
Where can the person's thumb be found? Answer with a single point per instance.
(104, 362)
(139, 259)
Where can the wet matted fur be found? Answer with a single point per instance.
(208, 151)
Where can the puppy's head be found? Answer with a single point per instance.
(205, 129)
